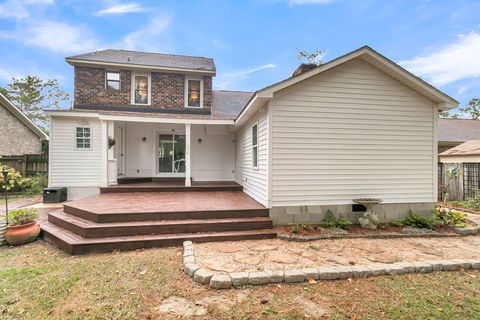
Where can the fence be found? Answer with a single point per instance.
(28, 164)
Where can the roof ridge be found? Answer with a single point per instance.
(136, 51)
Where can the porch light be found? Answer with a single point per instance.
(5, 183)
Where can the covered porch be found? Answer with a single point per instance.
(170, 152)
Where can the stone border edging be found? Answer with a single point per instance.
(236, 279)
(297, 238)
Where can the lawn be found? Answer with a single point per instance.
(38, 281)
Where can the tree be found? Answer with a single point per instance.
(33, 96)
(313, 58)
(472, 108)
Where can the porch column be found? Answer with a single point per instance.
(187, 155)
(112, 162)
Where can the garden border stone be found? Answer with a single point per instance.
(298, 238)
(226, 280)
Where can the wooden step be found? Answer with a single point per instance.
(89, 229)
(103, 217)
(75, 245)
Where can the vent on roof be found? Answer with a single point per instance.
(303, 68)
(128, 59)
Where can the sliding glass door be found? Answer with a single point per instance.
(171, 153)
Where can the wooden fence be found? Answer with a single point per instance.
(27, 164)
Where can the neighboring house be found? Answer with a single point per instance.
(358, 126)
(19, 134)
(452, 132)
(460, 170)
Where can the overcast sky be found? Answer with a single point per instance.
(254, 43)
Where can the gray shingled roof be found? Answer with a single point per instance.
(458, 130)
(471, 147)
(229, 103)
(147, 59)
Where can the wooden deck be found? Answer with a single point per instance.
(173, 185)
(133, 220)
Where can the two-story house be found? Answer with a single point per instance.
(359, 126)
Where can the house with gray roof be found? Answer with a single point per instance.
(452, 132)
(359, 126)
(20, 135)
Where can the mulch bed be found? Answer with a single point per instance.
(442, 205)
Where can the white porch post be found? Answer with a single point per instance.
(188, 171)
(104, 137)
(112, 162)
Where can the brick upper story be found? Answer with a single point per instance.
(167, 90)
(136, 81)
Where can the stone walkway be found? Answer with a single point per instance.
(275, 254)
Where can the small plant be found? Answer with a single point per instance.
(415, 220)
(294, 227)
(22, 216)
(450, 218)
(330, 221)
(111, 142)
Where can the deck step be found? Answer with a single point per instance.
(104, 217)
(75, 244)
(90, 229)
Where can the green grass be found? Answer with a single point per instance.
(39, 282)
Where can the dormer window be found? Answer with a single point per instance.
(193, 93)
(141, 84)
(112, 80)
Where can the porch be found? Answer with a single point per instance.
(193, 154)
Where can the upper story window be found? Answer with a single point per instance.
(255, 146)
(193, 93)
(83, 138)
(141, 84)
(113, 80)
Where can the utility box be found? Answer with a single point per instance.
(54, 195)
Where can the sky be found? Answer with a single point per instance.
(254, 43)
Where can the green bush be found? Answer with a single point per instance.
(35, 184)
(415, 220)
(330, 221)
(450, 218)
(15, 181)
(22, 216)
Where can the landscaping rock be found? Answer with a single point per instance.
(250, 258)
(344, 272)
(408, 230)
(311, 273)
(407, 267)
(239, 278)
(422, 266)
(466, 231)
(190, 268)
(450, 265)
(377, 269)
(475, 264)
(436, 265)
(188, 259)
(281, 258)
(328, 273)
(361, 271)
(276, 276)
(393, 269)
(221, 281)
(258, 278)
(202, 276)
(187, 243)
(188, 252)
(464, 264)
(294, 276)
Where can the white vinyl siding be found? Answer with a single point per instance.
(69, 166)
(253, 179)
(352, 132)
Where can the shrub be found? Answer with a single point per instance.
(35, 184)
(15, 181)
(450, 218)
(330, 221)
(22, 216)
(420, 222)
(294, 227)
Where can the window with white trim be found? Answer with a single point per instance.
(255, 146)
(112, 80)
(141, 89)
(83, 137)
(193, 93)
